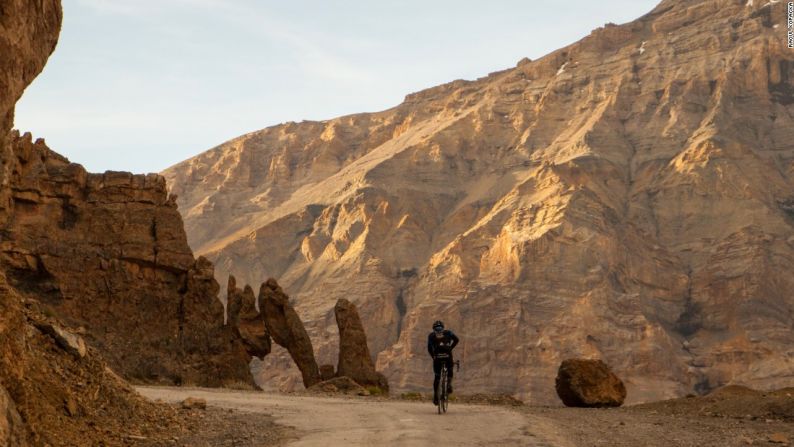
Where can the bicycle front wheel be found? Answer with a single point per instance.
(439, 395)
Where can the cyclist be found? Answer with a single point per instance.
(440, 344)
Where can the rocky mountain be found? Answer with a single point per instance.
(629, 197)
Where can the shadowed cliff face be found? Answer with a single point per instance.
(53, 389)
(627, 197)
(107, 253)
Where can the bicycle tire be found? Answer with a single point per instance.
(443, 401)
(443, 397)
(438, 389)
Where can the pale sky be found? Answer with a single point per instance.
(138, 85)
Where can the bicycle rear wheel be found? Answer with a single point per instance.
(442, 392)
(438, 389)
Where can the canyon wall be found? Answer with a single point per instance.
(54, 388)
(108, 254)
(105, 253)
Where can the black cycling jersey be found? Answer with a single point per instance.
(442, 345)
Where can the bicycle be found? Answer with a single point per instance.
(441, 391)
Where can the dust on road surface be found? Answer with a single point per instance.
(324, 421)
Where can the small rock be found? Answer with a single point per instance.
(71, 343)
(364, 392)
(779, 438)
(194, 403)
(745, 440)
(70, 406)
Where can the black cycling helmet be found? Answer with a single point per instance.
(438, 325)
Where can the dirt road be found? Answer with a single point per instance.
(736, 419)
(323, 421)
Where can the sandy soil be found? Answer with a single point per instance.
(358, 421)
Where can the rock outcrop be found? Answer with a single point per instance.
(287, 330)
(51, 387)
(107, 252)
(87, 256)
(588, 383)
(627, 197)
(355, 360)
(243, 314)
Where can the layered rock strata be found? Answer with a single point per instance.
(107, 252)
(627, 197)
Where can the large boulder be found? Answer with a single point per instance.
(287, 330)
(355, 360)
(243, 315)
(589, 383)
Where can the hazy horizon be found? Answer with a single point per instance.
(139, 87)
